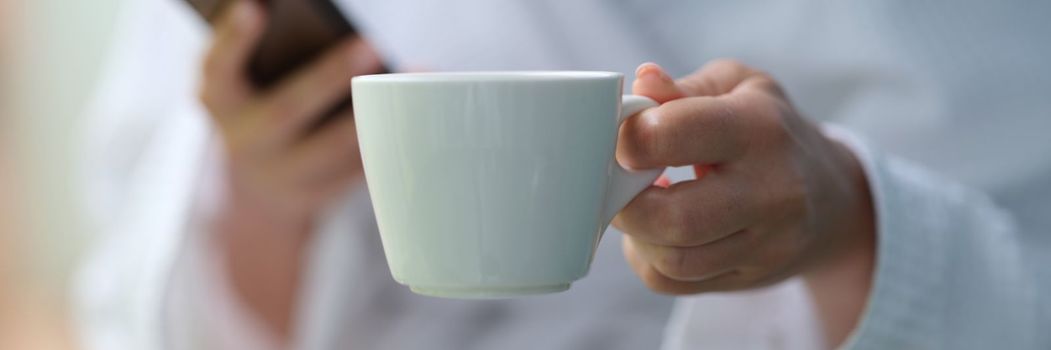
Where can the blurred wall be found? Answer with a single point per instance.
(58, 47)
(50, 51)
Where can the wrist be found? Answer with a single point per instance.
(262, 256)
(840, 292)
(237, 220)
(840, 283)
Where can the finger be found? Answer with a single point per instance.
(660, 283)
(716, 77)
(225, 86)
(694, 130)
(689, 213)
(699, 170)
(693, 264)
(350, 171)
(297, 104)
(652, 81)
(328, 155)
(336, 182)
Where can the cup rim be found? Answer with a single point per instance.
(479, 76)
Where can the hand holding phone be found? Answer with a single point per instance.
(279, 173)
(297, 32)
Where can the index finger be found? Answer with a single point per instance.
(225, 84)
(687, 131)
(689, 213)
(717, 77)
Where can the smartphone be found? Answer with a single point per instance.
(297, 32)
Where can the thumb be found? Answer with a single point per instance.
(652, 81)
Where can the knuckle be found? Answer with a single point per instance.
(777, 256)
(767, 83)
(726, 63)
(722, 117)
(643, 141)
(759, 276)
(236, 155)
(636, 217)
(727, 213)
(281, 108)
(699, 85)
(333, 71)
(327, 76)
(204, 95)
(675, 263)
(732, 280)
(208, 97)
(768, 117)
(776, 128)
(751, 238)
(213, 64)
(239, 147)
(749, 104)
(735, 68)
(679, 227)
(619, 221)
(658, 283)
(725, 119)
(339, 67)
(337, 143)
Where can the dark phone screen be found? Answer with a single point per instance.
(297, 32)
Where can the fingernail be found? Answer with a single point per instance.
(646, 70)
(650, 70)
(663, 181)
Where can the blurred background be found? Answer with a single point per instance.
(50, 53)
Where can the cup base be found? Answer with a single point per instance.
(487, 293)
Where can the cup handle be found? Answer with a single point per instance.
(625, 184)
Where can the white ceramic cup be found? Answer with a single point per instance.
(494, 184)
